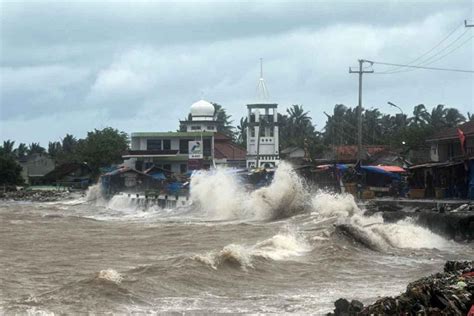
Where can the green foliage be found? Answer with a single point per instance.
(224, 122)
(35, 148)
(102, 148)
(386, 129)
(10, 170)
(242, 132)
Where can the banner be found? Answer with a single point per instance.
(195, 149)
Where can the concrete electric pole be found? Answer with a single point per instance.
(359, 107)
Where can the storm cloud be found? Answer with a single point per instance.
(138, 66)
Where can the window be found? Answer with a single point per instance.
(183, 168)
(166, 144)
(207, 150)
(211, 128)
(252, 131)
(196, 127)
(271, 132)
(167, 167)
(153, 144)
(183, 146)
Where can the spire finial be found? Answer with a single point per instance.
(262, 92)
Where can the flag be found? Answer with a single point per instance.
(462, 139)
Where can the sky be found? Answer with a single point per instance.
(73, 66)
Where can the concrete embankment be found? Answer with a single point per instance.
(453, 220)
(447, 293)
(35, 195)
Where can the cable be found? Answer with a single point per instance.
(434, 47)
(430, 60)
(419, 67)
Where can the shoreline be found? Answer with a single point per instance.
(450, 292)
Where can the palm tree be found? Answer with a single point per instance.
(8, 147)
(438, 116)
(454, 117)
(242, 131)
(69, 143)
(54, 148)
(21, 150)
(420, 116)
(224, 122)
(35, 148)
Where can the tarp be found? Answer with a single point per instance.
(392, 168)
(378, 170)
(158, 176)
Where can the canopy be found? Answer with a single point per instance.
(377, 169)
(391, 168)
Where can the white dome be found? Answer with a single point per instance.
(202, 108)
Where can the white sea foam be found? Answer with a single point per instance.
(220, 196)
(402, 234)
(283, 246)
(110, 275)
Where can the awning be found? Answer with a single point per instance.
(392, 168)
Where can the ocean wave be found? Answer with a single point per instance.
(280, 247)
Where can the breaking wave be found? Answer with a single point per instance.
(283, 246)
(222, 197)
(372, 231)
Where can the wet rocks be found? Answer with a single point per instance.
(447, 293)
(35, 195)
(345, 308)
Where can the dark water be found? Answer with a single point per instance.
(108, 256)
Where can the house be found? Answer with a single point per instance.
(200, 146)
(72, 174)
(446, 144)
(348, 153)
(35, 167)
(127, 179)
(450, 173)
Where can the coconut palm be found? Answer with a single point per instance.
(35, 148)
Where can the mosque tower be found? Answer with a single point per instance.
(262, 129)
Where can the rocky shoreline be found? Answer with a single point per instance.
(35, 195)
(448, 293)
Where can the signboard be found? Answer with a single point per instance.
(195, 149)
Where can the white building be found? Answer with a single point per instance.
(171, 150)
(262, 136)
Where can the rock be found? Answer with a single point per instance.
(447, 293)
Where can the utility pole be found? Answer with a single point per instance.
(359, 107)
(468, 25)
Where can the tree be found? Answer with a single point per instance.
(35, 148)
(101, 148)
(54, 149)
(21, 151)
(10, 171)
(224, 122)
(242, 132)
(454, 117)
(7, 147)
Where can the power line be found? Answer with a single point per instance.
(419, 67)
(429, 63)
(430, 60)
(433, 48)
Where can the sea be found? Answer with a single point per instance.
(283, 249)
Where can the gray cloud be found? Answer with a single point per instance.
(140, 66)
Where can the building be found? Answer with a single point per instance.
(200, 146)
(35, 167)
(450, 173)
(446, 144)
(71, 174)
(262, 136)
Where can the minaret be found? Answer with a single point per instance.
(262, 129)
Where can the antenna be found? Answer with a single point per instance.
(262, 91)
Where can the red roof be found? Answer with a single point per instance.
(452, 132)
(229, 150)
(349, 152)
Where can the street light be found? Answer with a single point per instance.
(395, 106)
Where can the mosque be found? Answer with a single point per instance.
(202, 146)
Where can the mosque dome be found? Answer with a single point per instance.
(202, 108)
